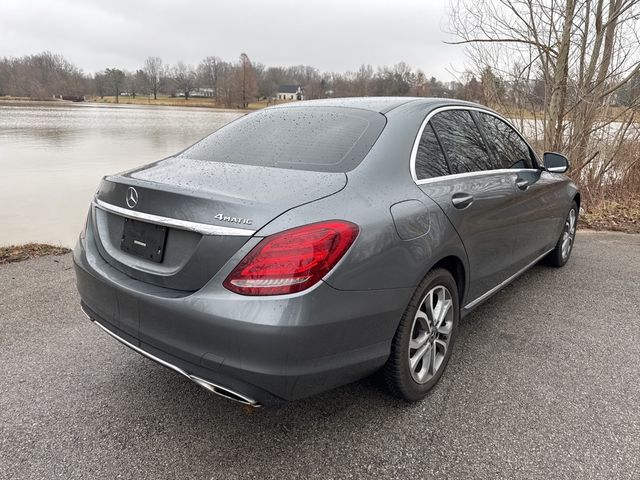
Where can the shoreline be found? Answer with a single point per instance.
(19, 253)
(15, 102)
(199, 103)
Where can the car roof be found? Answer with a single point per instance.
(376, 104)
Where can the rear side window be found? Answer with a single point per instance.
(430, 160)
(462, 141)
(325, 139)
(508, 148)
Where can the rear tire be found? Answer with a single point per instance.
(423, 342)
(559, 256)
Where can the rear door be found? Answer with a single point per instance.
(538, 193)
(477, 196)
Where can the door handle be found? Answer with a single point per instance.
(461, 200)
(522, 184)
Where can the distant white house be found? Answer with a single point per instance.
(201, 92)
(290, 92)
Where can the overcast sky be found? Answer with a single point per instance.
(331, 35)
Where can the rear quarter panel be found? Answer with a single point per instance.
(380, 258)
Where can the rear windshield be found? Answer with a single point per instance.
(325, 139)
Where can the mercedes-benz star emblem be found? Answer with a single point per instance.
(132, 197)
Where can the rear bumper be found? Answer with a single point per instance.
(212, 387)
(262, 349)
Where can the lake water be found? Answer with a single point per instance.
(52, 159)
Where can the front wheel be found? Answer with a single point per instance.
(424, 340)
(559, 256)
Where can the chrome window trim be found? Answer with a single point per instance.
(478, 173)
(416, 143)
(202, 228)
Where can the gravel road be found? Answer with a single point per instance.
(544, 382)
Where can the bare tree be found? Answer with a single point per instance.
(184, 78)
(234, 84)
(419, 86)
(396, 80)
(227, 84)
(209, 72)
(575, 54)
(153, 70)
(363, 80)
(100, 84)
(585, 50)
(131, 83)
(115, 77)
(141, 82)
(41, 76)
(247, 81)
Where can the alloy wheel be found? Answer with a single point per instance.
(430, 334)
(568, 234)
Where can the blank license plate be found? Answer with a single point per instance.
(144, 240)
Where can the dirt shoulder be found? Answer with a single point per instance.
(614, 216)
(18, 253)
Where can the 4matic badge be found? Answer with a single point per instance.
(227, 218)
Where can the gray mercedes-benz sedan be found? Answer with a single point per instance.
(308, 245)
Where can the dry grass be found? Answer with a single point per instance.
(9, 98)
(611, 192)
(18, 253)
(29, 102)
(259, 104)
(181, 102)
(161, 101)
(613, 215)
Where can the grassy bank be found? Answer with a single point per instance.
(28, 102)
(613, 215)
(162, 100)
(166, 101)
(18, 253)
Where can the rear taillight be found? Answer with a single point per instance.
(292, 260)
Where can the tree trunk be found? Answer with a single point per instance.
(593, 90)
(553, 127)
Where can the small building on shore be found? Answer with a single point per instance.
(290, 92)
(202, 92)
(71, 98)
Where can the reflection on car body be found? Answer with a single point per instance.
(308, 245)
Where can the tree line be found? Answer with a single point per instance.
(238, 83)
(229, 83)
(582, 59)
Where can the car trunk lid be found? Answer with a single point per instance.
(208, 210)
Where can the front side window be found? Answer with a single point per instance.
(462, 142)
(508, 148)
(430, 160)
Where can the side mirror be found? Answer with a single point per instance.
(555, 162)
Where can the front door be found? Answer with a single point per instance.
(477, 198)
(537, 192)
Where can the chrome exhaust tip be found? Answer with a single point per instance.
(85, 313)
(224, 392)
